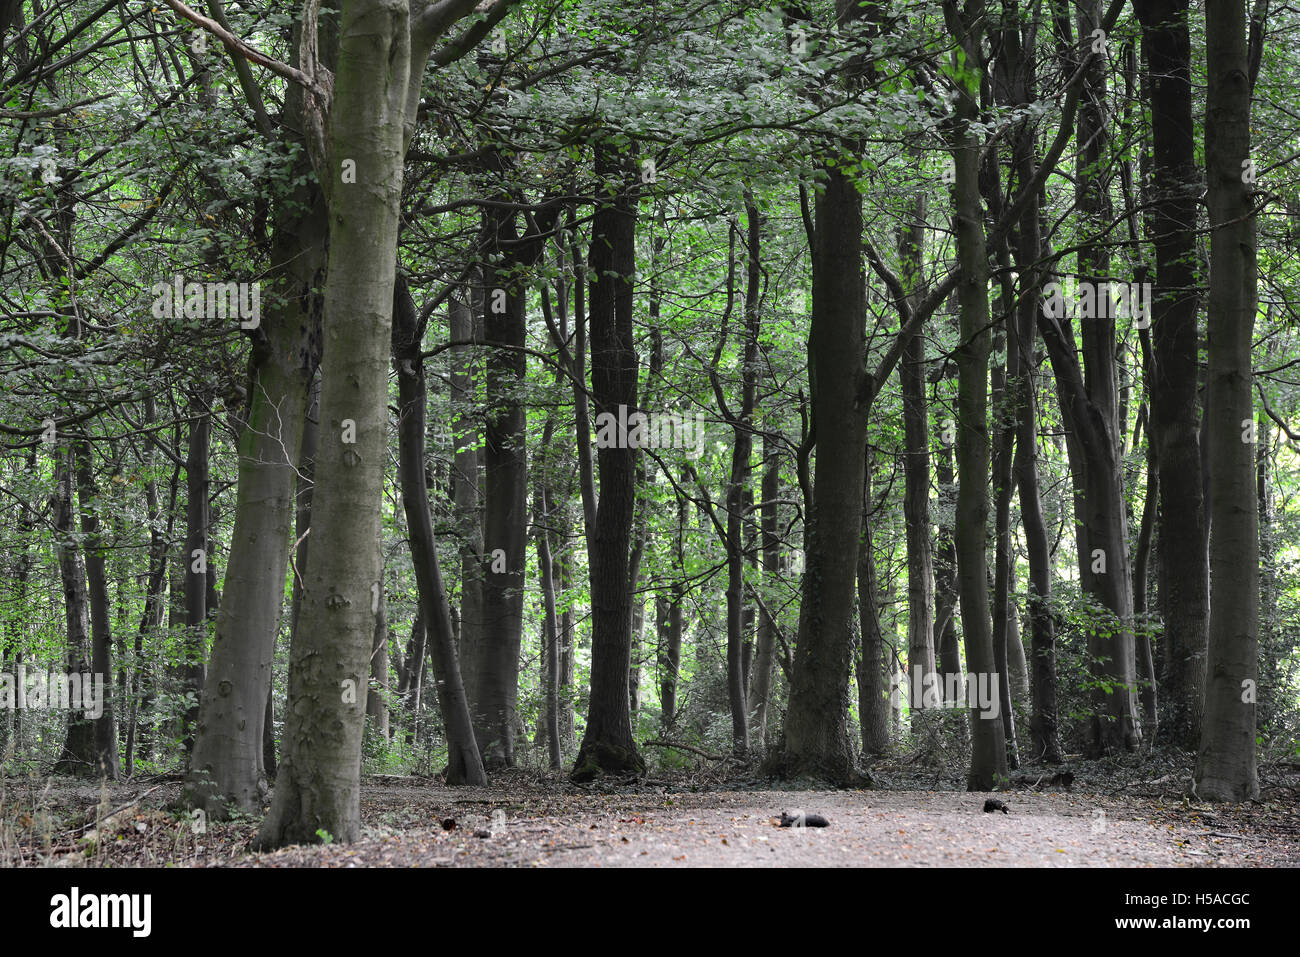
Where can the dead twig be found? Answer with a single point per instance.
(118, 811)
(677, 745)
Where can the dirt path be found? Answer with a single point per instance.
(536, 823)
(737, 829)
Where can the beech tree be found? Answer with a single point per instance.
(1225, 762)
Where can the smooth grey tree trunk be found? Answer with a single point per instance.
(1226, 761)
(816, 731)
(317, 788)
(229, 764)
(916, 476)
(876, 699)
(101, 637)
(195, 556)
(1181, 536)
(78, 755)
(988, 768)
(608, 745)
(1115, 724)
(465, 765)
(765, 651)
(494, 652)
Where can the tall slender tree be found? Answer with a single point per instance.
(1226, 763)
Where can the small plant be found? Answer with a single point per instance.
(325, 836)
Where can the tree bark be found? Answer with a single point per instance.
(318, 785)
(947, 646)
(1003, 557)
(494, 691)
(916, 477)
(550, 628)
(1174, 427)
(568, 639)
(1115, 724)
(465, 490)
(101, 637)
(816, 732)
(765, 656)
(1018, 89)
(738, 486)
(464, 765)
(1141, 562)
(376, 702)
(229, 764)
(876, 698)
(1226, 762)
(988, 768)
(608, 745)
(195, 556)
(78, 755)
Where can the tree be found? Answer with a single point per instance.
(608, 746)
(1175, 419)
(228, 764)
(988, 755)
(465, 764)
(1225, 763)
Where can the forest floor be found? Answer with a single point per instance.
(535, 819)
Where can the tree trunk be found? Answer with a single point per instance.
(988, 768)
(1115, 724)
(634, 654)
(410, 687)
(155, 589)
(1017, 663)
(101, 638)
(947, 647)
(608, 745)
(877, 697)
(738, 486)
(1141, 562)
(916, 477)
(318, 785)
(376, 701)
(816, 732)
(1174, 426)
(78, 756)
(464, 765)
(1226, 763)
(1003, 558)
(495, 689)
(568, 638)
(1019, 66)
(229, 763)
(466, 504)
(546, 570)
(195, 556)
(761, 689)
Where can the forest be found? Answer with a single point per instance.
(488, 431)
